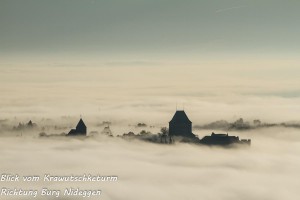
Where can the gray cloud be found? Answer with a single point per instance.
(231, 8)
(162, 28)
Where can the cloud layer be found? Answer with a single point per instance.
(266, 170)
(209, 90)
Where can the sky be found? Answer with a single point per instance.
(218, 59)
(158, 28)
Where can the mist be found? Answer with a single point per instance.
(266, 170)
(208, 90)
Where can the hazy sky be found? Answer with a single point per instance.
(143, 29)
(136, 58)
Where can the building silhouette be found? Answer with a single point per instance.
(26, 126)
(80, 129)
(223, 139)
(180, 125)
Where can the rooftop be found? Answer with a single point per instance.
(180, 116)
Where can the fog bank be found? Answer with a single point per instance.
(266, 170)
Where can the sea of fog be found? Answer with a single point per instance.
(268, 170)
(55, 95)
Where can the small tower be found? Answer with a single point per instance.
(80, 129)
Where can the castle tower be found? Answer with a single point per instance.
(80, 129)
(180, 125)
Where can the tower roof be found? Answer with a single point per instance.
(80, 123)
(180, 117)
